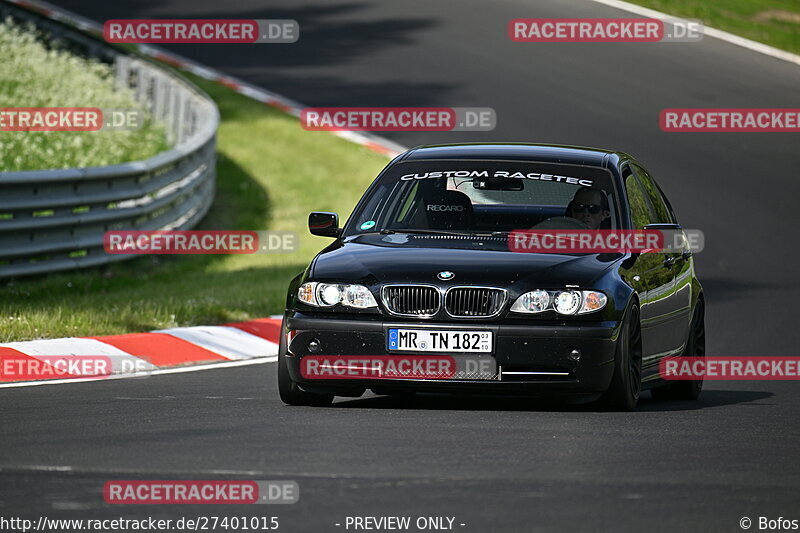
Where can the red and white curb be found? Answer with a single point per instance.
(166, 351)
(373, 142)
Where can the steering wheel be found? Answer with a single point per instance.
(561, 223)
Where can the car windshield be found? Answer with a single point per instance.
(486, 197)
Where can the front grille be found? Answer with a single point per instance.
(474, 302)
(412, 300)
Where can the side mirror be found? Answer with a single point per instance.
(324, 224)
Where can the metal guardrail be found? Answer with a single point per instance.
(52, 220)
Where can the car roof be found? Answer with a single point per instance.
(547, 153)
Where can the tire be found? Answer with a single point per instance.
(626, 383)
(288, 390)
(695, 347)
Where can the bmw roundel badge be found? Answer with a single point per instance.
(445, 275)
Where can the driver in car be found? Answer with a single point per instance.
(590, 206)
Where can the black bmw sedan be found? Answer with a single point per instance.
(422, 289)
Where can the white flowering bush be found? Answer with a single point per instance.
(34, 73)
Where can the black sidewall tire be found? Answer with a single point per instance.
(620, 396)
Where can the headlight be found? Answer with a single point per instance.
(592, 301)
(358, 296)
(568, 302)
(563, 302)
(307, 293)
(532, 302)
(330, 294)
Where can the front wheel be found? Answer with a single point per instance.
(288, 390)
(626, 383)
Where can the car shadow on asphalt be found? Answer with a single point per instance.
(708, 399)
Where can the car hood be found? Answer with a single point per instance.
(375, 259)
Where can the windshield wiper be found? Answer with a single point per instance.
(474, 234)
(424, 232)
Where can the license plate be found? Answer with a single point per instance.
(442, 341)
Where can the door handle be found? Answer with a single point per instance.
(668, 262)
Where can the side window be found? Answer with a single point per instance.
(640, 212)
(659, 205)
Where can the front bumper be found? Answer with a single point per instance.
(531, 358)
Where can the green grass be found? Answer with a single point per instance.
(773, 22)
(35, 74)
(271, 173)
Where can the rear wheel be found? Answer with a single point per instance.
(626, 384)
(695, 347)
(289, 391)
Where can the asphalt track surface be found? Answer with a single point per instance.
(496, 465)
